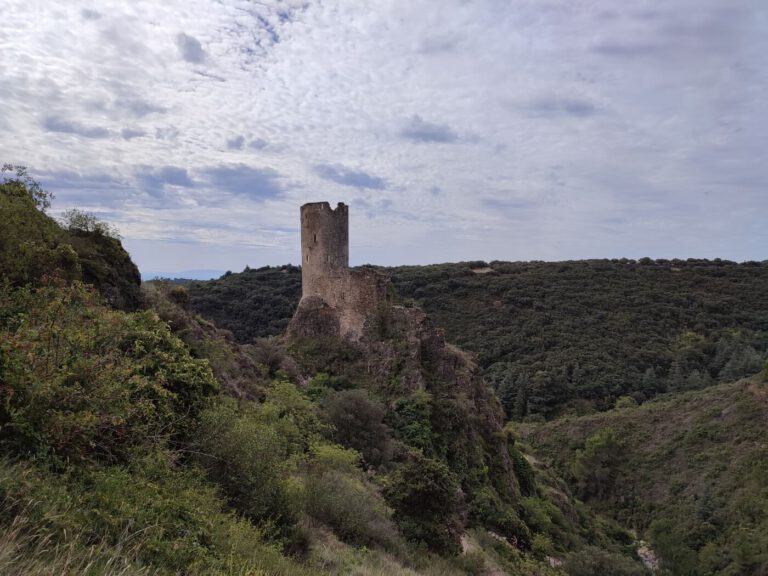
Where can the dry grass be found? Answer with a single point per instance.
(29, 550)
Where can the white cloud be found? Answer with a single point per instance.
(557, 129)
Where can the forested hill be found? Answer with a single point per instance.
(557, 336)
(688, 472)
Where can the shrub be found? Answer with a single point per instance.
(147, 518)
(82, 382)
(624, 402)
(541, 547)
(411, 421)
(523, 472)
(247, 456)
(76, 220)
(487, 509)
(595, 466)
(427, 502)
(357, 422)
(336, 493)
(251, 450)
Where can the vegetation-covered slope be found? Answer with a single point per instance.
(689, 472)
(35, 248)
(252, 304)
(557, 336)
(149, 442)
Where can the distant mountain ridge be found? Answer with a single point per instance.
(201, 274)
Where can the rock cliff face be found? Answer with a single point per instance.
(397, 353)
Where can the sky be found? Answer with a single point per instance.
(455, 130)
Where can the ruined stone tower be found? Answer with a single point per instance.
(335, 300)
(324, 247)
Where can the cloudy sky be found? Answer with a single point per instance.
(456, 130)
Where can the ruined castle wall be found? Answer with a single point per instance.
(353, 295)
(324, 246)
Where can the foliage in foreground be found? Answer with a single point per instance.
(120, 458)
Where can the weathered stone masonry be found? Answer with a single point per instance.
(334, 299)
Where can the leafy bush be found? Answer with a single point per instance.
(411, 421)
(357, 422)
(248, 456)
(427, 502)
(489, 510)
(81, 382)
(596, 466)
(149, 517)
(75, 220)
(336, 493)
(526, 478)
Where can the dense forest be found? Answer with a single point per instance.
(556, 337)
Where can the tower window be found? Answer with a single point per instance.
(315, 238)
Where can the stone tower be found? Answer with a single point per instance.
(324, 246)
(335, 300)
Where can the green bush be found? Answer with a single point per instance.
(357, 421)
(248, 456)
(149, 517)
(523, 472)
(336, 493)
(427, 503)
(411, 421)
(596, 466)
(82, 382)
(488, 509)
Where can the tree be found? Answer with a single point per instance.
(427, 502)
(23, 185)
(596, 465)
(76, 220)
(358, 422)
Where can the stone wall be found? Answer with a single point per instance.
(324, 246)
(334, 299)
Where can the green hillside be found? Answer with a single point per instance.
(556, 337)
(688, 472)
(138, 438)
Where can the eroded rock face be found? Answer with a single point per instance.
(399, 353)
